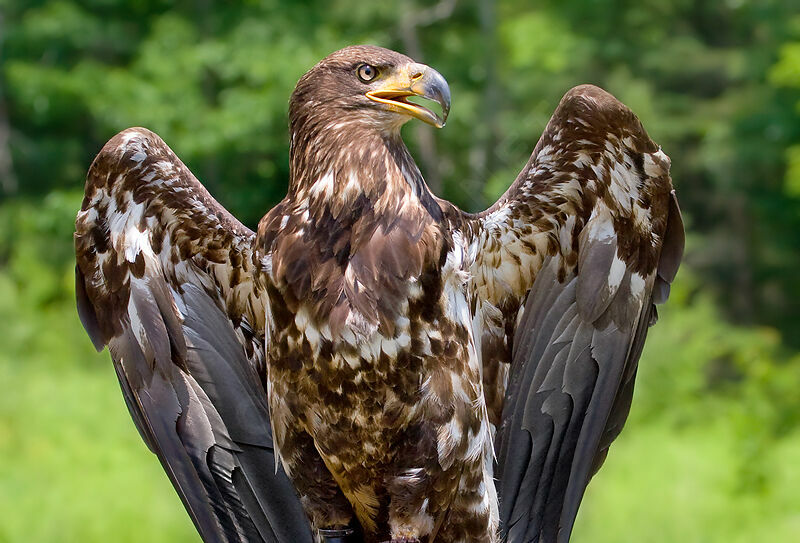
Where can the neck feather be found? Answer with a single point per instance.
(341, 160)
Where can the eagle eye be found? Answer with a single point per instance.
(367, 73)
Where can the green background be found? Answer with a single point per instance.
(711, 452)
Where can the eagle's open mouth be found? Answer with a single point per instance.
(399, 98)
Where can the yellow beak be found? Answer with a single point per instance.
(415, 80)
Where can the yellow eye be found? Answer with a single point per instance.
(367, 73)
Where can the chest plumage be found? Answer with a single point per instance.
(372, 355)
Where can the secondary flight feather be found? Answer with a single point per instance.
(373, 360)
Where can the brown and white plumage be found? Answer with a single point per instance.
(165, 277)
(387, 331)
(569, 264)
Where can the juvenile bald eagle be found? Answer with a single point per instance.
(350, 361)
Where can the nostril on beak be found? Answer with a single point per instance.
(416, 76)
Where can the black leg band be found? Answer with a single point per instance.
(343, 535)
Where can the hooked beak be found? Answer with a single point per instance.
(415, 80)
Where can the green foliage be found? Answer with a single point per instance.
(663, 485)
(74, 469)
(712, 449)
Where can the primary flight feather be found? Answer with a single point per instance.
(375, 364)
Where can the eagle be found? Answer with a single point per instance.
(375, 364)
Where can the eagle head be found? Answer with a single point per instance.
(368, 86)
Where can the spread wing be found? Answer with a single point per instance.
(569, 264)
(165, 277)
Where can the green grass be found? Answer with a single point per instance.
(661, 485)
(74, 468)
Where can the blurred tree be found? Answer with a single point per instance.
(716, 84)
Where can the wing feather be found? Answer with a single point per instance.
(574, 255)
(166, 278)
